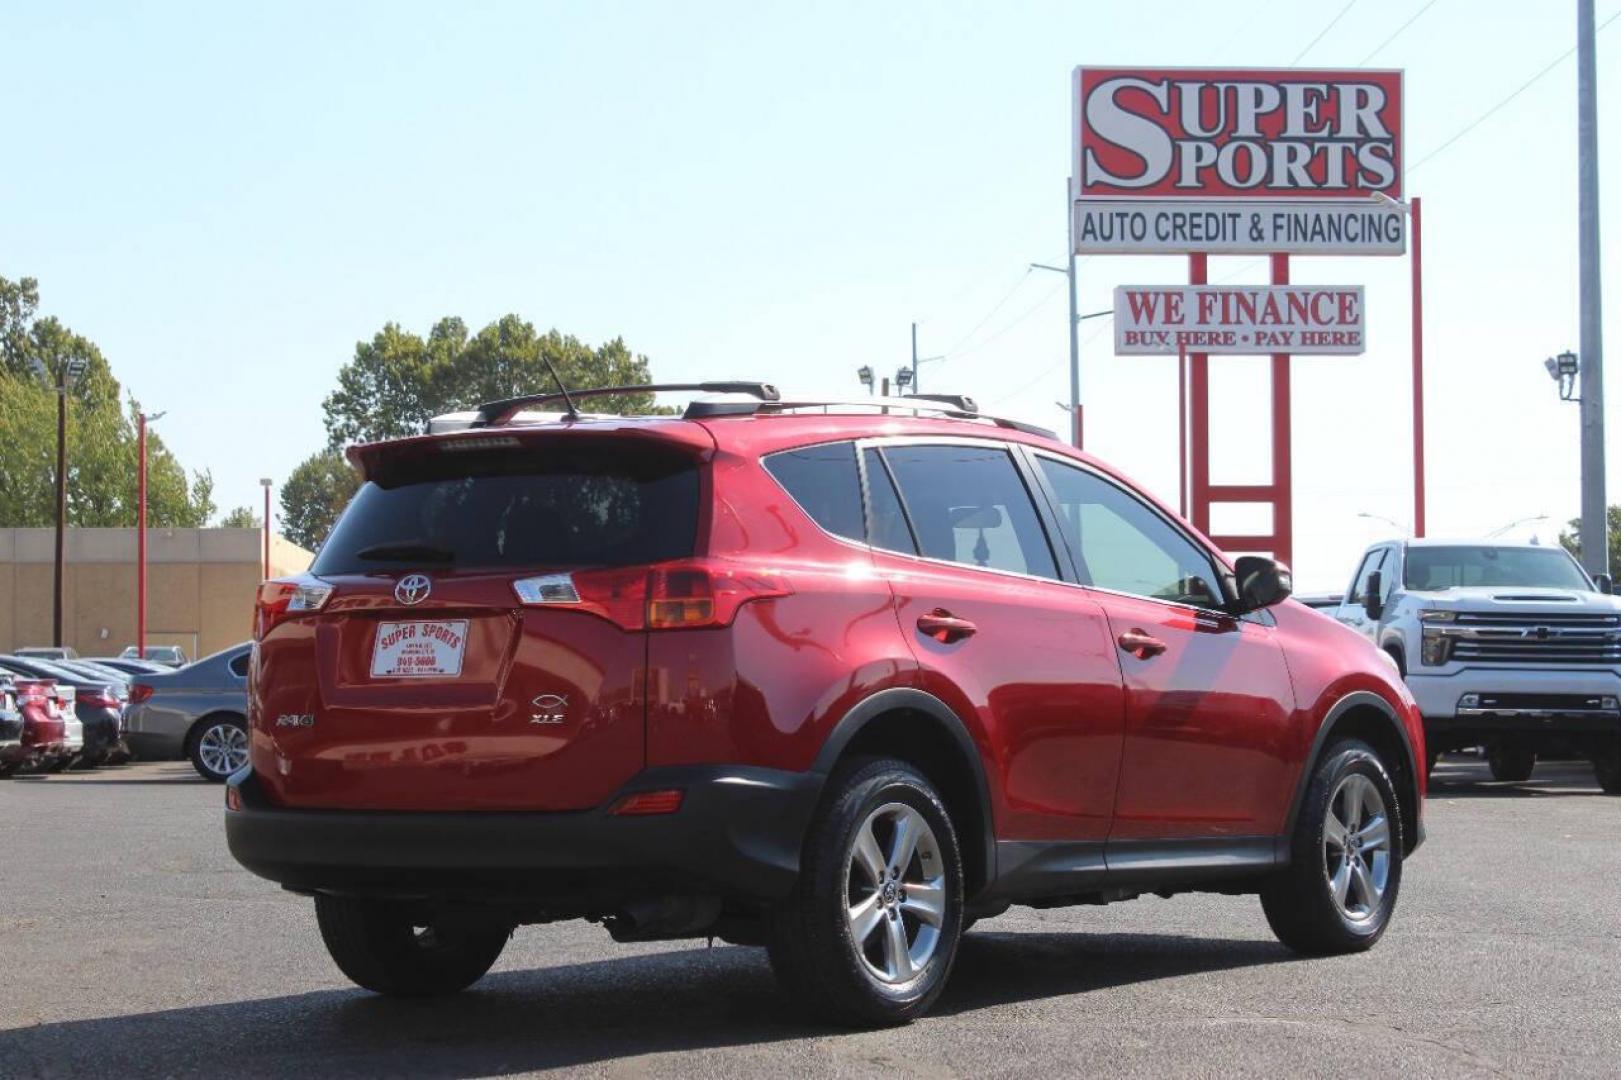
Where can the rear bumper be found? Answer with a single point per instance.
(738, 833)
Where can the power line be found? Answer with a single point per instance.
(1489, 113)
(1046, 372)
(1029, 311)
(1411, 20)
(991, 313)
(1322, 33)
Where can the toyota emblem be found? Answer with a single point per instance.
(413, 589)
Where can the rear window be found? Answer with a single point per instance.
(557, 507)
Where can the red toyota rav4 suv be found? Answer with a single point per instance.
(831, 681)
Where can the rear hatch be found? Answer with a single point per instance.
(470, 636)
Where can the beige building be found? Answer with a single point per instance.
(200, 585)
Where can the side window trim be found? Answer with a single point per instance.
(1218, 570)
(862, 446)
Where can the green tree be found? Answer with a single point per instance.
(314, 495)
(240, 518)
(1571, 538)
(398, 380)
(101, 482)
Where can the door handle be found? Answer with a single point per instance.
(945, 627)
(1140, 644)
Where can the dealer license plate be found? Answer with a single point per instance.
(420, 649)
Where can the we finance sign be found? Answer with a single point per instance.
(1230, 161)
(1153, 320)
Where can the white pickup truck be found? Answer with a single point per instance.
(1507, 646)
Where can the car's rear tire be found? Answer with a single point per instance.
(1339, 890)
(869, 934)
(1511, 763)
(218, 746)
(386, 948)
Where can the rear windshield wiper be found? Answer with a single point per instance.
(406, 551)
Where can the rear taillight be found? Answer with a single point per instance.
(99, 699)
(284, 598)
(675, 596)
(139, 692)
(34, 693)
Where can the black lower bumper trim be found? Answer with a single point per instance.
(738, 832)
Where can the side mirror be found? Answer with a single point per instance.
(1262, 582)
(1605, 584)
(1372, 600)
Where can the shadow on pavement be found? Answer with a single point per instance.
(691, 999)
(1470, 778)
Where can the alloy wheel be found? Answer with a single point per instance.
(1356, 847)
(896, 895)
(223, 749)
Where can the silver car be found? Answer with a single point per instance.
(198, 712)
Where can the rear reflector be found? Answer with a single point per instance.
(233, 798)
(644, 803)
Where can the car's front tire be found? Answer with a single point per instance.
(869, 934)
(218, 747)
(386, 948)
(1339, 890)
(1511, 763)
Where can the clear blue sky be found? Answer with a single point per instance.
(227, 198)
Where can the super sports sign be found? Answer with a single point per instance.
(1186, 160)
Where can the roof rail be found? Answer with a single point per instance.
(492, 413)
(954, 406)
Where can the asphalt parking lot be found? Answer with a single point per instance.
(131, 944)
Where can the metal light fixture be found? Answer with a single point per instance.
(1563, 370)
(864, 373)
(903, 378)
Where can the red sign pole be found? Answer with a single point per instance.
(140, 536)
(1182, 429)
(1418, 366)
(1282, 436)
(1199, 414)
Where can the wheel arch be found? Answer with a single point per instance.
(1364, 715)
(919, 728)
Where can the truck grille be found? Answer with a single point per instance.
(1515, 637)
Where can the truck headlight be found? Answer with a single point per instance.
(1433, 616)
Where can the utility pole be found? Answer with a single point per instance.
(1074, 321)
(61, 501)
(915, 387)
(265, 483)
(65, 378)
(1595, 541)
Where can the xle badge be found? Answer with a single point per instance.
(548, 709)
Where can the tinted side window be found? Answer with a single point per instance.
(1374, 561)
(239, 665)
(968, 505)
(889, 529)
(823, 480)
(1121, 544)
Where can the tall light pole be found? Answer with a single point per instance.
(141, 420)
(64, 380)
(917, 383)
(1077, 428)
(1595, 541)
(266, 483)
